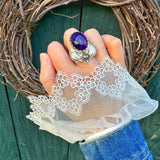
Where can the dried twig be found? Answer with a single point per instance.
(139, 21)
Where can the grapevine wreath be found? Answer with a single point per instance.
(139, 21)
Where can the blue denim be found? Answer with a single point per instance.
(125, 144)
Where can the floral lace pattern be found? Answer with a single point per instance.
(83, 86)
(82, 105)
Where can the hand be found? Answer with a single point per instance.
(57, 59)
(85, 98)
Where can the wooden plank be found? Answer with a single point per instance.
(93, 16)
(101, 18)
(151, 124)
(52, 27)
(9, 148)
(35, 144)
(75, 153)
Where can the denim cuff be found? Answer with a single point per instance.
(127, 143)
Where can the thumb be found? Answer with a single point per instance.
(47, 72)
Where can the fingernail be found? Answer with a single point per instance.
(43, 59)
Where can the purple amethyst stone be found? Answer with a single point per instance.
(79, 41)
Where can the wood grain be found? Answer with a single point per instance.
(100, 18)
(9, 148)
(151, 124)
(35, 144)
(40, 145)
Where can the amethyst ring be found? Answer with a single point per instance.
(81, 50)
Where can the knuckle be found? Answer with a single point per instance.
(116, 42)
(53, 44)
(91, 31)
(69, 31)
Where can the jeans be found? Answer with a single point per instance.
(125, 144)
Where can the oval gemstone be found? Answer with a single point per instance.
(79, 41)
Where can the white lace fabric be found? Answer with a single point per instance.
(80, 106)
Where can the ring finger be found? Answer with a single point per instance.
(93, 61)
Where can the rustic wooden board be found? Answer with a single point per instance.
(99, 17)
(151, 124)
(33, 144)
(8, 145)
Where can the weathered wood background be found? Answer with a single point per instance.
(20, 139)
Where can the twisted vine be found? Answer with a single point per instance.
(139, 21)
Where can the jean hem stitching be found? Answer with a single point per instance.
(146, 156)
(140, 153)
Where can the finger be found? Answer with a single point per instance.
(61, 59)
(47, 72)
(114, 48)
(95, 39)
(87, 66)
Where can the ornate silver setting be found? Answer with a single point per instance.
(82, 55)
